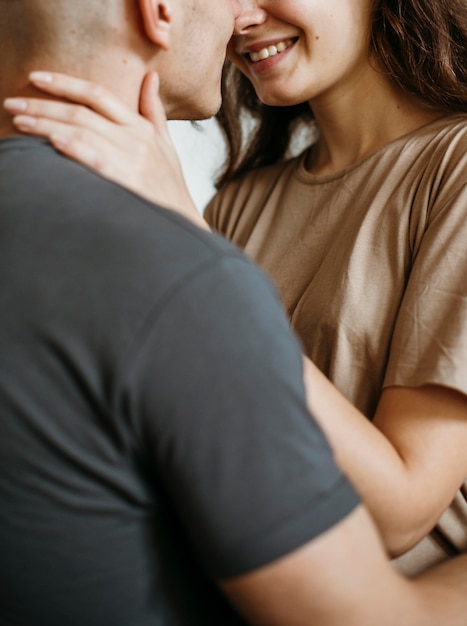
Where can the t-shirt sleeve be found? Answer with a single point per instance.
(218, 399)
(430, 338)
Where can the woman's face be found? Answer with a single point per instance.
(303, 50)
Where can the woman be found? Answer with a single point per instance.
(364, 232)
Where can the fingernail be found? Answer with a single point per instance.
(15, 105)
(24, 121)
(40, 77)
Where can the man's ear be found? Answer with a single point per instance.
(157, 19)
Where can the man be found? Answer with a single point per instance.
(157, 461)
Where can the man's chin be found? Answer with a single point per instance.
(194, 110)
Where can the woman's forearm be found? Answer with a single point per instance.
(407, 479)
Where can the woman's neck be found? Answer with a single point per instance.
(354, 126)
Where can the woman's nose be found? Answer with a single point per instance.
(250, 15)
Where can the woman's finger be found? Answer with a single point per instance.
(73, 114)
(79, 144)
(84, 92)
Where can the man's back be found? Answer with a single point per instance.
(77, 509)
(124, 421)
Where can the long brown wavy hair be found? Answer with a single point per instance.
(421, 45)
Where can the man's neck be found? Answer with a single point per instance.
(125, 84)
(7, 129)
(9, 87)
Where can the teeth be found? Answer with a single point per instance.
(270, 51)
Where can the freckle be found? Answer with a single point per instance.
(317, 37)
(125, 61)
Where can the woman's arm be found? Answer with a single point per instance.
(408, 463)
(96, 129)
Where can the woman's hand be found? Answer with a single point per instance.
(98, 130)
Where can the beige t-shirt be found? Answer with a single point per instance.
(371, 264)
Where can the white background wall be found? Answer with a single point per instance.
(201, 154)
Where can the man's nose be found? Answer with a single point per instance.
(249, 13)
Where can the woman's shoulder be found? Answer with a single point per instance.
(444, 130)
(444, 150)
(432, 159)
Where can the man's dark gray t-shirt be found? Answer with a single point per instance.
(154, 435)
